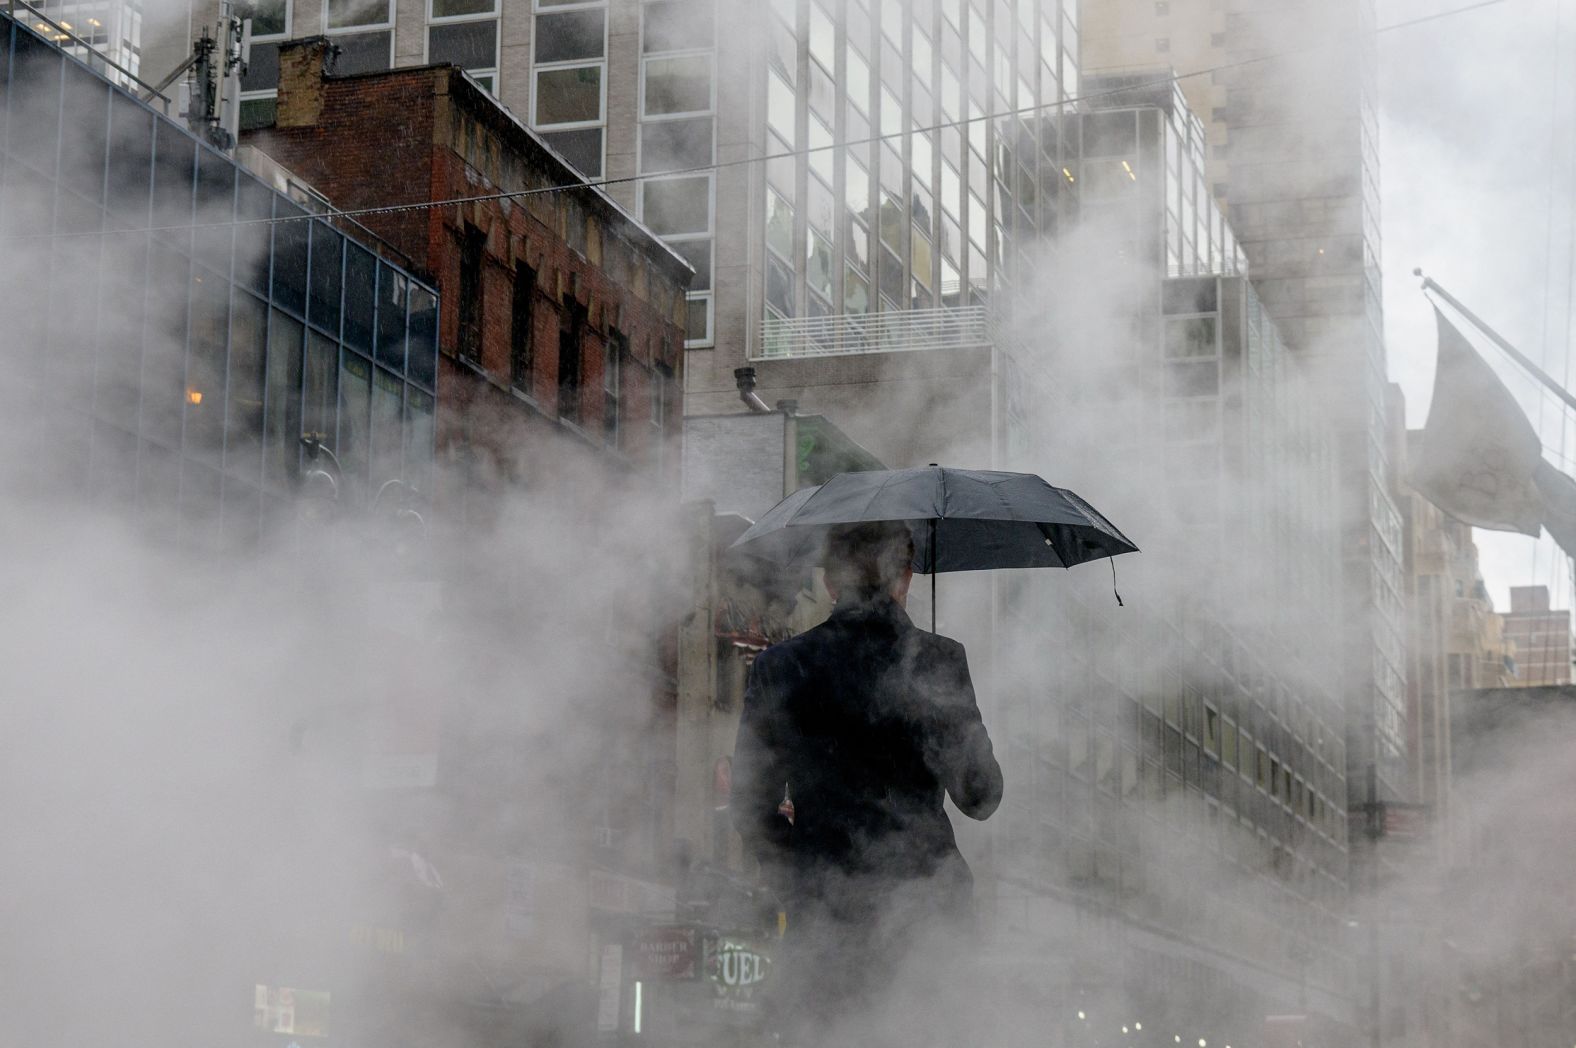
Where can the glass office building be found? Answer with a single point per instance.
(184, 334)
(920, 219)
(1201, 727)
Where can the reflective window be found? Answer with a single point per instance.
(571, 37)
(270, 18)
(678, 25)
(677, 85)
(582, 148)
(568, 96)
(677, 205)
(671, 145)
(347, 14)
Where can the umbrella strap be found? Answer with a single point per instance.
(1113, 583)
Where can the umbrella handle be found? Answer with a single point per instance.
(932, 574)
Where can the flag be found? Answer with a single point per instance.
(1559, 499)
(1478, 454)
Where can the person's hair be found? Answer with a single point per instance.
(867, 559)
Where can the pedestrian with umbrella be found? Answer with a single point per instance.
(853, 733)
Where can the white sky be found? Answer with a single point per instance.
(1478, 185)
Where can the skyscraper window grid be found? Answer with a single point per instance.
(677, 108)
(923, 218)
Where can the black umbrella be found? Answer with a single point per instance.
(961, 519)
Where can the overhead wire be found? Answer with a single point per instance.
(603, 183)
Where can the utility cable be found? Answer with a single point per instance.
(516, 194)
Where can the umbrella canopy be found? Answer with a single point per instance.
(961, 519)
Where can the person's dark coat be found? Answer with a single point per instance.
(867, 724)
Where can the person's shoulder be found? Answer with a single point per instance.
(938, 647)
(790, 650)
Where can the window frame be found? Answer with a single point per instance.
(644, 116)
(267, 38)
(363, 27)
(710, 178)
(495, 15)
(575, 125)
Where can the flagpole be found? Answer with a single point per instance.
(1494, 336)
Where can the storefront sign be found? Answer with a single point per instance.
(617, 893)
(736, 969)
(666, 954)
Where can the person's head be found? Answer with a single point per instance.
(866, 560)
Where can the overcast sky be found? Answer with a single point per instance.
(1478, 183)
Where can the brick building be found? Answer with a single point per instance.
(567, 315)
(1542, 637)
(558, 384)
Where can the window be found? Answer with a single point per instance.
(568, 96)
(357, 14)
(569, 328)
(574, 36)
(471, 288)
(471, 45)
(270, 18)
(676, 85)
(583, 149)
(675, 145)
(363, 52)
(678, 25)
(612, 362)
(677, 205)
(570, 90)
(521, 344)
(1193, 337)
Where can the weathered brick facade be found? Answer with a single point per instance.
(424, 134)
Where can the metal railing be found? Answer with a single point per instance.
(891, 331)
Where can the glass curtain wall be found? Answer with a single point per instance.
(909, 144)
(212, 343)
(110, 28)
(678, 126)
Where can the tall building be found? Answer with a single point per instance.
(195, 379)
(1287, 94)
(1199, 727)
(1542, 638)
(793, 256)
(106, 35)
